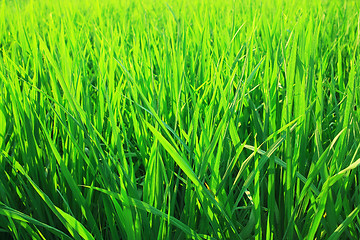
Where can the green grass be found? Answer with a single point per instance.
(179, 119)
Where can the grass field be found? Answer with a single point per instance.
(179, 120)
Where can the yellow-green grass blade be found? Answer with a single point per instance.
(19, 216)
(75, 228)
(148, 208)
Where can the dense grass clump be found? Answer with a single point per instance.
(179, 119)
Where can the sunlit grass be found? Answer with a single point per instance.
(179, 119)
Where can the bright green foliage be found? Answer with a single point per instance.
(180, 119)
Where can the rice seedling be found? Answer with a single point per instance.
(179, 119)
